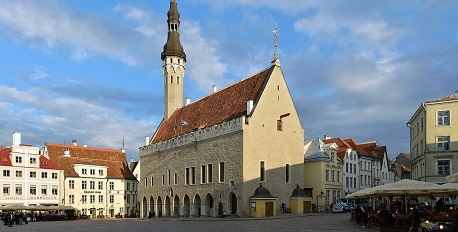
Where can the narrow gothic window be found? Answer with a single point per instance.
(171, 80)
(178, 80)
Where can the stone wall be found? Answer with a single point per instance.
(181, 153)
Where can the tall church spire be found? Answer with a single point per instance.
(174, 60)
(173, 46)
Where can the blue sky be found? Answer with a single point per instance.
(91, 70)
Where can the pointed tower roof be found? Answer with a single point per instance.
(173, 46)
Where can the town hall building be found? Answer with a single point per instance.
(238, 151)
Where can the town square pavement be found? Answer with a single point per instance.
(322, 222)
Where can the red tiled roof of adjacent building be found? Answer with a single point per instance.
(45, 163)
(222, 106)
(114, 160)
(343, 146)
(5, 159)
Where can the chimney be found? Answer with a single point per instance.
(74, 143)
(188, 100)
(146, 140)
(326, 137)
(215, 88)
(249, 107)
(67, 152)
(16, 139)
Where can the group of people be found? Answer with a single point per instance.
(397, 216)
(12, 218)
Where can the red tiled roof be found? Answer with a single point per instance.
(219, 107)
(343, 146)
(45, 163)
(5, 159)
(114, 160)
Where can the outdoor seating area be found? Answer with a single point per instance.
(19, 214)
(406, 205)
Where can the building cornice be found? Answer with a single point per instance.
(195, 136)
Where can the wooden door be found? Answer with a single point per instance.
(307, 207)
(269, 209)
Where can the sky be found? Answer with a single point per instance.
(91, 70)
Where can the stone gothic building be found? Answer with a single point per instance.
(215, 155)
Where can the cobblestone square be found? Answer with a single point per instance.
(324, 222)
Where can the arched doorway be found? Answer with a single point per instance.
(232, 203)
(167, 206)
(187, 206)
(159, 206)
(145, 208)
(209, 208)
(176, 206)
(151, 205)
(197, 205)
(220, 210)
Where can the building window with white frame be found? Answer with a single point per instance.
(443, 118)
(84, 199)
(6, 189)
(333, 178)
(33, 190)
(33, 174)
(18, 189)
(100, 185)
(111, 199)
(100, 198)
(54, 175)
(71, 184)
(44, 175)
(443, 143)
(92, 199)
(71, 199)
(84, 171)
(18, 173)
(92, 172)
(92, 184)
(54, 190)
(44, 190)
(18, 160)
(443, 167)
(83, 184)
(111, 185)
(100, 172)
(6, 173)
(33, 160)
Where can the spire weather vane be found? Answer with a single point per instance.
(275, 31)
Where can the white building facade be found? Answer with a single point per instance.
(98, 182)
(27, 177)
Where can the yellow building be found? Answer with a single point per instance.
(323, 172)
(434, 139)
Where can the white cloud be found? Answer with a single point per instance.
(55, 118)
(39, 73)
(58, 25)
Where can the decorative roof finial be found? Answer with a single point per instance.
(276, 40)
